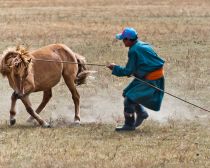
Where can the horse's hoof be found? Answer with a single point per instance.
(46, 125)
(77, 122)
(12, 121)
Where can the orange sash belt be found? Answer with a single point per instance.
(154, 75)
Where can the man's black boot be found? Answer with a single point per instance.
(129, 123)
(140, 117)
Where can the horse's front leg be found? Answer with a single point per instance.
(14, 98)
(46, 97)
(28, 106)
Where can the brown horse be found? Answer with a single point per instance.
(27, 74)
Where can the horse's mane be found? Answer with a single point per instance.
(13, 52)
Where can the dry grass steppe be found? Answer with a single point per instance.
(179, 30)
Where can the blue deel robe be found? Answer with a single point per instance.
(142, 59)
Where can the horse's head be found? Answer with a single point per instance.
(15, 64)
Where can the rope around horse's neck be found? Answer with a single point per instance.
(67, 62)
(102, 65)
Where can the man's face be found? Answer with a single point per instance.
(127, 42)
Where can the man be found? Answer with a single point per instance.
(143, 63)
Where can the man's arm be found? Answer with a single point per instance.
(127, 70)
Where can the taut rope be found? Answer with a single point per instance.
(66, 62)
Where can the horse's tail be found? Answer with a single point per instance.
(82, 73)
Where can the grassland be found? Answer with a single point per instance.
(179, 30)
(97, 145)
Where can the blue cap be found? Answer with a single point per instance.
(129, 33)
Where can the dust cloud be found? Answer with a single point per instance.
(106, 107)
(101, 106)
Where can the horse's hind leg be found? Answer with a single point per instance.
(29, 109)
(75, 96)
(14, 98)
(46, 97)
